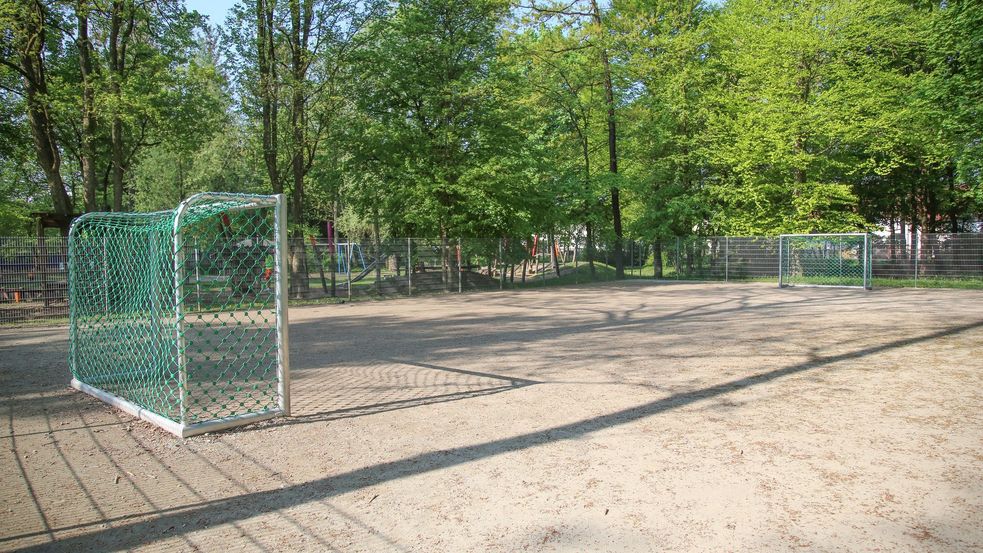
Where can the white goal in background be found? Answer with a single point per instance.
(841, 260)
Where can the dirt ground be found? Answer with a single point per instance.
(618, 417)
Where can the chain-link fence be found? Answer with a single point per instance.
(719, 258)
(942, 259)
(33, 272)
(33, 279)
(411, 266)
(928, 260)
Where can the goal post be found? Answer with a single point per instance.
(838, 259)
(179, 317)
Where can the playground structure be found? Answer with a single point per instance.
(179, 317)
(390, 267)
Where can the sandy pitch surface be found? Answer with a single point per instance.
(619, 417)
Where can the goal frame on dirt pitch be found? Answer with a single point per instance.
(179, 317)
(841, 270)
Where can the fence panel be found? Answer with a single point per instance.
(720, 258)
(945, 257)
(33, 279)
(939, 259)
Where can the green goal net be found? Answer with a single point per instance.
(179, 317)
(842, 260)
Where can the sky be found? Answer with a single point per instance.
(214, 9)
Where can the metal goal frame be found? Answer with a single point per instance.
(793, 268)
(153, 336)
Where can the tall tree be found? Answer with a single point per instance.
(26, 27)
(803, 91)
(88, 129)
(285, 57)
(586, 20)
(569, 97)
(435, 117)
(955, 93)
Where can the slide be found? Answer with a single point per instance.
(363, 274)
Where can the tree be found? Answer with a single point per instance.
(802, 92)
(667, 65)
(435, 123)
(26, 38)
(564, 89)
(955, 93)
(585, 20)
(314, 41)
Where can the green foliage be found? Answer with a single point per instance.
(442, 147)
(483, 119)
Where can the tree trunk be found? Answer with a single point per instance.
(119, 32)
(266, 62)
(36, 95)
(553, 254)
(299, 30)
(893, 241)
(525, 262)
(320, 264)
(444, 259)
(950, 175)
(377, 246)
(116, 137)
(619, 260)
(590, 249)
(657, 258)
(88, 130)
(902, 243)
(799, 173)
(300, 283)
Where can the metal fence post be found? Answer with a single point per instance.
(917, 254)
(727, 271)
(409, 266)
(677, 257)
(351, 249)
(501, 267)
(781, 261)
(460, 269)
(868, 264)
